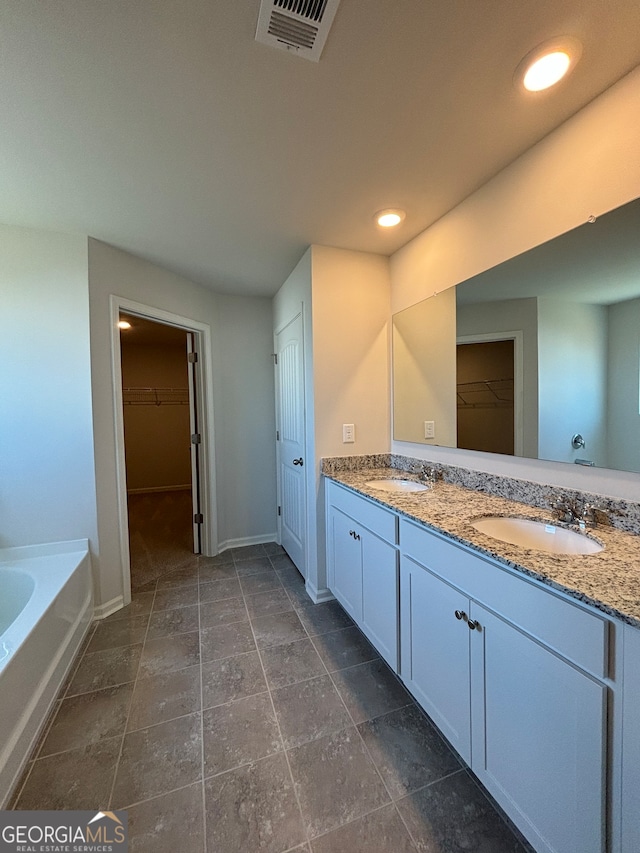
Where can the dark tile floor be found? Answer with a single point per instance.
(227, 713)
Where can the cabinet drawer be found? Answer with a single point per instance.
(576, 634)
(380, 521)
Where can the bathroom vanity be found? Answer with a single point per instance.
(528, 662)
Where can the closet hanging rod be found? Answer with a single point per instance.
(155, 396)
(489, 393)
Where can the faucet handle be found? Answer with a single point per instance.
(594, 515)
(579, 510)
(430, 474)
(562, 509)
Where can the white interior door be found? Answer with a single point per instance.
(291, 440)
(196, 442)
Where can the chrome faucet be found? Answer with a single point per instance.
(567, 510)
(430, 474)
(575, 511)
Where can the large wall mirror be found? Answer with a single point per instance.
(537, 357)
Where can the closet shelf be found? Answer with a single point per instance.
(485, 394)
(155, 396)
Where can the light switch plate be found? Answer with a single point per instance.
(348, 433)
(429, 429)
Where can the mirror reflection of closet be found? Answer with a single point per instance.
(484, 390)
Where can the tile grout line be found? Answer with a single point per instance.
(76, 666)
(496, 807)
(181, 716)
(352, 821)
(368, 753)
(51, 717)
(135, 682)
(355, 725)
(392, 801)
(163, 794)
(349, 715)
(202, 792)
(275, 715)
(66, 695)
(108, 686)
(410, 794)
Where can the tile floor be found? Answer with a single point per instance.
(228, 714)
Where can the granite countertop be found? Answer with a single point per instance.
(608, 580)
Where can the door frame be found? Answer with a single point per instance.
(518, 378)
(204, 403)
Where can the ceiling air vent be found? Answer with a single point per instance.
(300, 26)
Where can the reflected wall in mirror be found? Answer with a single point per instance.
(571, 309)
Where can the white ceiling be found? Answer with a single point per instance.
(163, 128)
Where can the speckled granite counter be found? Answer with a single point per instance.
(608, 580)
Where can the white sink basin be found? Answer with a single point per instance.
(538, 535)
(391, 485)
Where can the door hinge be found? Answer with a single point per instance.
(198, 518)
(192, 358)
(275, 357)
(196, 438)
(277, 435)
(279, 510)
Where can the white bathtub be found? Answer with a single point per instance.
(46, 607)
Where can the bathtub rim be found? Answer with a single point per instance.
(16, 750)
(46, 587)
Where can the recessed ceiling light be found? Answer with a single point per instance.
(390, 217)
(548, 64)
(124, 324)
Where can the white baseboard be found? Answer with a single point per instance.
(101, 611)
(246, 540)
(318, 596)
(150, 489)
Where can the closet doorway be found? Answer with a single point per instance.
(489, 393)
(161, 446)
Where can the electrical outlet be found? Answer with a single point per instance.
(429, 429)
(348, 433)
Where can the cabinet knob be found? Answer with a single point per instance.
(298, 461)
(460, 614)
(473, 625)
(352, 533)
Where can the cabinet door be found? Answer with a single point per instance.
(345, 563)
(435, 651)
(539, 737)
(380, 596)
(631, 742)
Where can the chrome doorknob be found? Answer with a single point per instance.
(298, 461)
(473, 624)
(460, 614)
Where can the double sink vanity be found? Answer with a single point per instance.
(517, 634)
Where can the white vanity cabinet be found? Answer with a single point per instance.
(514, 676)
(630, 747)
(362, 566)
(435, 651)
